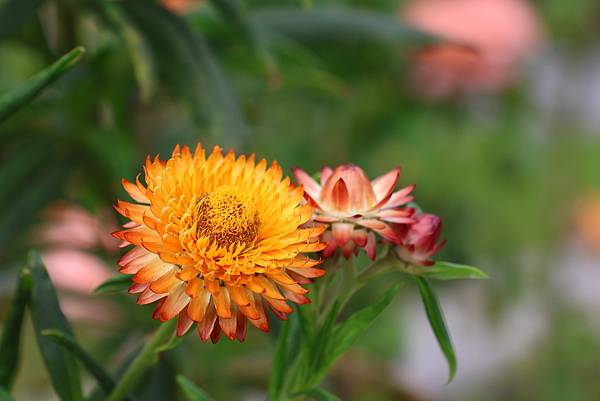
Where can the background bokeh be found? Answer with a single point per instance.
(491, 106)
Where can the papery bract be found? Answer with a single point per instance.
(419, 240)
(218, 240)
(356, 208)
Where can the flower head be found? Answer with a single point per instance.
(357, 208)
(218, 240)
(419, 240)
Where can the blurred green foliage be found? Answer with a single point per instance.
(276, 81)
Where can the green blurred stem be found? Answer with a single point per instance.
(146, 358)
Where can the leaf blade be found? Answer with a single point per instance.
(453, 271)
(113, 285)
(438, 324)
(279, 362)
(191, 391)
(14, 100)
(11, 335)
(46, 314)
(105, 381)
(338, 23)
(318, 394)
(347, 332)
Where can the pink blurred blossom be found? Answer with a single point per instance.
(493, 38)
(69, 237)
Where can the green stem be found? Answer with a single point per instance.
(145, 359)
(388, 263)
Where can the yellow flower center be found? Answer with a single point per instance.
(227, 216)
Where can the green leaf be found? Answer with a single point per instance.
(26, 205)
(114, 284)
(346, 333)
(27, 91)
(143, 63)
(338, 24)
(318, 394)
(5, 396)
(15, 13)
(437, 322)
(46, 314)
(188, 64)
(280, 362)
(190, 390)
(452, 271)
(67, 341)
(11, 335)
(15, 171)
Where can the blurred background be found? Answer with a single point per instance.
(490, 106)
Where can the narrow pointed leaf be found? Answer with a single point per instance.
(104, 380)
(452, 271)
(318, 394)
(27, 91)
(144, 66)
(346, 333)
(46, 314)
(279, 362)
(338, 24)
(113, 285)
(438, 323)
(11, 335)
(191, 391)
(189, 65)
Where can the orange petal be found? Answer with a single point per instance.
(135, 191)
(165, 283)
(197, 307)
(206, 326)
(223, 303)
(174, 303)
(229, 325)
(239, 295)
(184, 323)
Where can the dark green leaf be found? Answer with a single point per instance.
(318, 394)
(346, 333)
(114, 284)
(27, 91)
(46, 314)
(68, 342)
(437, 322)
(452, 271)
(4, 395)
(187, 62)
(11, 335)
(15, 171)
(15, 13)
(26, 205)
(191, 391)
(141, 57)
(338, 24)
(322, 342)
(280, 362)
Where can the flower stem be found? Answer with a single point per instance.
(145, 359)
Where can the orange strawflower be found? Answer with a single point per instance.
(218, 240)
(357, 208)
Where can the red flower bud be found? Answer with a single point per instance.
(419, 240)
